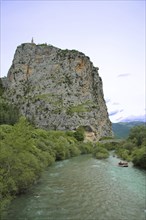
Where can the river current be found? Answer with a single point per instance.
(84, 188)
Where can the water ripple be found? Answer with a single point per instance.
(83, 188)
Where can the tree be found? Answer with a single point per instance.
(139, 157)
(9, 113)
(137, 134)
(79, 134)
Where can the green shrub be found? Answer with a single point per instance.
(137, 135)
(74, 150)
(133, 149)
(9, 113)
(79, 134)
(100, 152)
(85, 148)
(4, 130)
(105, 138)
(110, 145)
(139, 157)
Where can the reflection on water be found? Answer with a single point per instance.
(84, 188)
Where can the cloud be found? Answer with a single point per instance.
(116, 103)
(107, 100)
(119, 119)
(121, 110)
(112, 113)
(124, 75)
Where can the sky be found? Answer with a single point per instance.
(111, 33)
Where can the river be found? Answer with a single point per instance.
(83, 188)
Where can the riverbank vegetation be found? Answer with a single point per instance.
(26, 151)
(134, 147)
(131, 149)
(100, 151)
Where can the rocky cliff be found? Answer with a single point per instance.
(58, 89)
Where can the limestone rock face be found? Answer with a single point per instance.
(57, 89)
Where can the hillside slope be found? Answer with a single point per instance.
(122, 129)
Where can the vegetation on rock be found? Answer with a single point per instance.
(9, 113)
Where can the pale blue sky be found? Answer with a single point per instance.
(111, 33)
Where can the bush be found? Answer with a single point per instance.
(85, 148)
(74, 150)
(79, 134)
(110, 145)
(22, 159)
(100, 152)
(9, 113)
(5, 130)
(138, 135)
(139, 157)
(133, 149)
(105, 138)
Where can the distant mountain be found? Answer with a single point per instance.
(122, 129)
(135, 118)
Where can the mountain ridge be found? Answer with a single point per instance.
(122, 129)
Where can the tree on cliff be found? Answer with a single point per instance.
(9, 113)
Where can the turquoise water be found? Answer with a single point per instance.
(83, 188)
